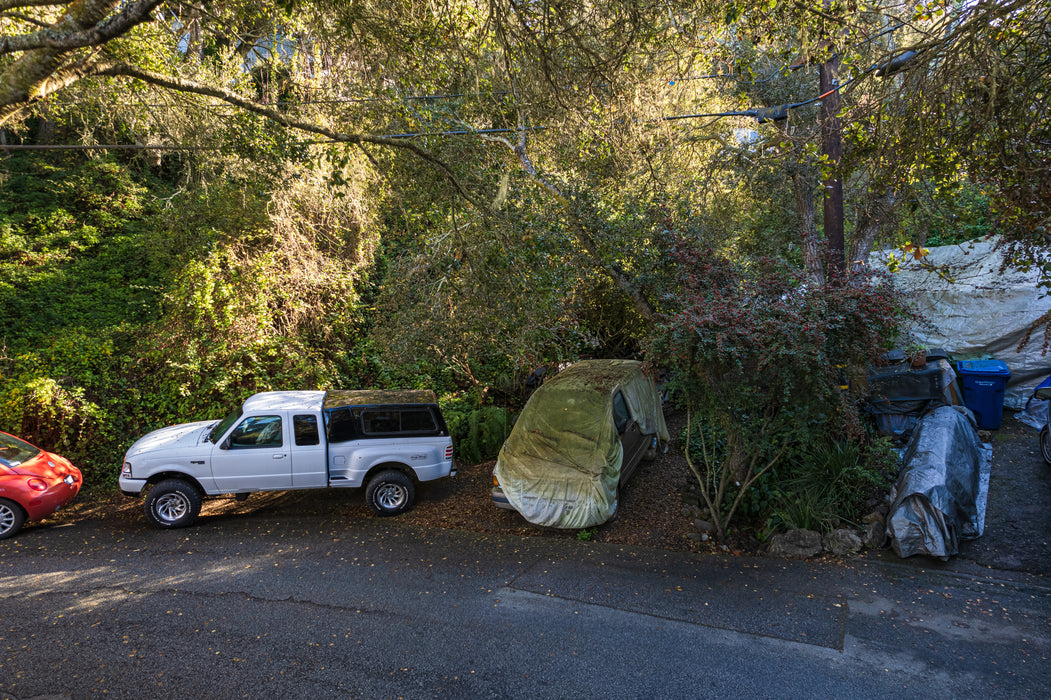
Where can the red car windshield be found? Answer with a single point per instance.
(14, 451)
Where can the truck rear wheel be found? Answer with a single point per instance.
(172, 503)
(390, 492)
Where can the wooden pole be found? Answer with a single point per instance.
(832, 148)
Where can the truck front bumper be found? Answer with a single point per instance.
(131, 487)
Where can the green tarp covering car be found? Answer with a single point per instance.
(578, 439)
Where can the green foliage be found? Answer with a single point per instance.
(843, 473)
(75, 248)
(706, 444)
(57, 412)
(828, 485)
(759, 359)
(81, 268)
(484, 303)
(806, 511)
(128, 303)
(586, 535)
(478, 432)
(121, 316)
(956, 212)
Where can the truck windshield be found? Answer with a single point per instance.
(222, 426)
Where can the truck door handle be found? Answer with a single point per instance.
(280, 456)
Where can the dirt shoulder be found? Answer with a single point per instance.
(649, 516)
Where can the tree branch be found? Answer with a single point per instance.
(23, 80)
(66, 35)
(182, 85)
(6, 5)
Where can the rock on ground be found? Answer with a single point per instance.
(796, 544)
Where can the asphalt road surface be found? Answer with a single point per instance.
(315, 607)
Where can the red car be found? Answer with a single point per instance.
(34, 483)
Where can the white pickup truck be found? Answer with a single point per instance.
(386, 441)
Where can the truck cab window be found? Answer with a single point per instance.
(257, 431)
(305, 429)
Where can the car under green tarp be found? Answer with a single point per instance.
(561, 465)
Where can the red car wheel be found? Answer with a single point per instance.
(12, 517)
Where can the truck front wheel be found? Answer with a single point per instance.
(172, 503)
(389, 493)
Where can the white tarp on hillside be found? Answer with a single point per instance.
(978, 311)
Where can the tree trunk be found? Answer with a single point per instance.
(808, 229)
(874, 214)
(831, 148)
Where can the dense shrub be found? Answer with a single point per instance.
(761, 359)
(829, 484)
(478, 432)
(119, 315)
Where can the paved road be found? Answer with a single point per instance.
(311, 607)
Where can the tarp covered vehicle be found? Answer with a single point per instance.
(941, 492)
(578, 439)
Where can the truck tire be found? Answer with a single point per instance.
(172, 503)
(1045, 444)
(12, 518)
(390, 492)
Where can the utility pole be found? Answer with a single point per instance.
(832, 149)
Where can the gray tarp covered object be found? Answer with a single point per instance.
(561, 464)
(941, 492)
(974, 307)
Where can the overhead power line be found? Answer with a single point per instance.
(148, 147)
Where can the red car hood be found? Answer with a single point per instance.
(47, 466)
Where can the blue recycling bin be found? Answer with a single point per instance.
(984, 382)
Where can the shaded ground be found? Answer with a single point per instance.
(1017, 535)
